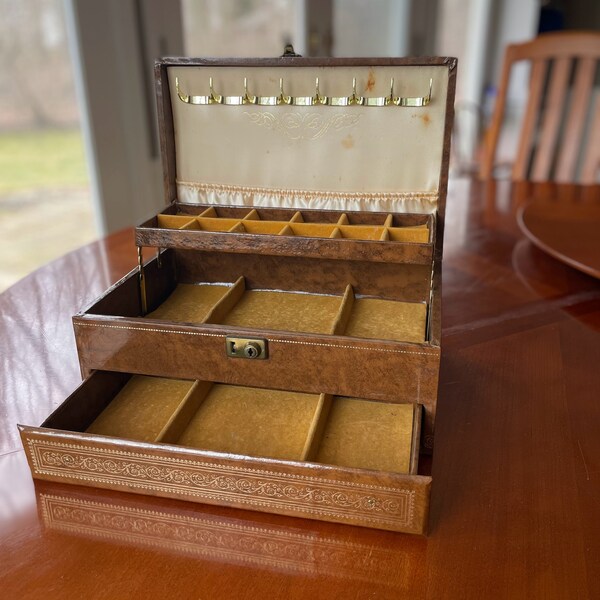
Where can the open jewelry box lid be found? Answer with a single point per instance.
(375, 154)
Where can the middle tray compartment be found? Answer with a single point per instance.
(350, 328)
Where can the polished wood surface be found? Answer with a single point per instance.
(516, 470)
(568, 231)
(544, 153)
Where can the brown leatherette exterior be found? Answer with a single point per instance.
(113, 335)
(389, 252)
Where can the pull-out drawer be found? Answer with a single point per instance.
(318, 456)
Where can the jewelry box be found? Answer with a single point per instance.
(280, 350)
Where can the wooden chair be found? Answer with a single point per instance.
(544, 153)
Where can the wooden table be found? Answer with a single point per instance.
(516, 495)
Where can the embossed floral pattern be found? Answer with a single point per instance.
(241, 485)
(302, 126)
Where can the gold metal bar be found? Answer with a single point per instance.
(191, 99)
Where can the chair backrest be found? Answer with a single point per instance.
(544, 153)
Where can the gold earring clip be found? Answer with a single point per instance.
(282, 98)
(214, 98)
(188, 99)
(268, 100)
(417, 101)
(356, 99)
(318, 98)
(303, 100)
(377, 100)
(234, 100)
(183, 97)
(339, 100)
(247, 99)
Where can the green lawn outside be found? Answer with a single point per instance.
(43, 158)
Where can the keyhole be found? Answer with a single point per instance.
(251, 350)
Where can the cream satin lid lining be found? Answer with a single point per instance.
(357, 158)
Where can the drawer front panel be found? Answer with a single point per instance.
(382, 501)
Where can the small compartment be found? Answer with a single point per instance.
(316, 230)
(175, 221)
(361, 232)
(275, 214)
(370, 435)
(215, 224)
(190, 303)
(262, 227)
(219, 212)
(417, 234)
(142, 409)
(316, 216)
(284, 311)
(363, 218)
(253, 421)
(387, 320)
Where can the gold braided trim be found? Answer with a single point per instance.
(307, 194)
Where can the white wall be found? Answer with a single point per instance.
(374, 28)
(477, 32)
(115, 43)
(514, 21)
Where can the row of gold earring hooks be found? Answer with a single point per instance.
(315, 100)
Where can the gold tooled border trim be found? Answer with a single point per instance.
(334, 493)
(280, 341)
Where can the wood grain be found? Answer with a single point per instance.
(567, 231)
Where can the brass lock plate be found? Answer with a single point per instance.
(251, 348)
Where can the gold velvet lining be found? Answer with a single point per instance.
(142, 408)
(265, 423)
(235, 306)
(368, 435)
(387, 319)
(250, 421)
(262, 227)
(190, 303)
(418, 234)
(285, 311)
